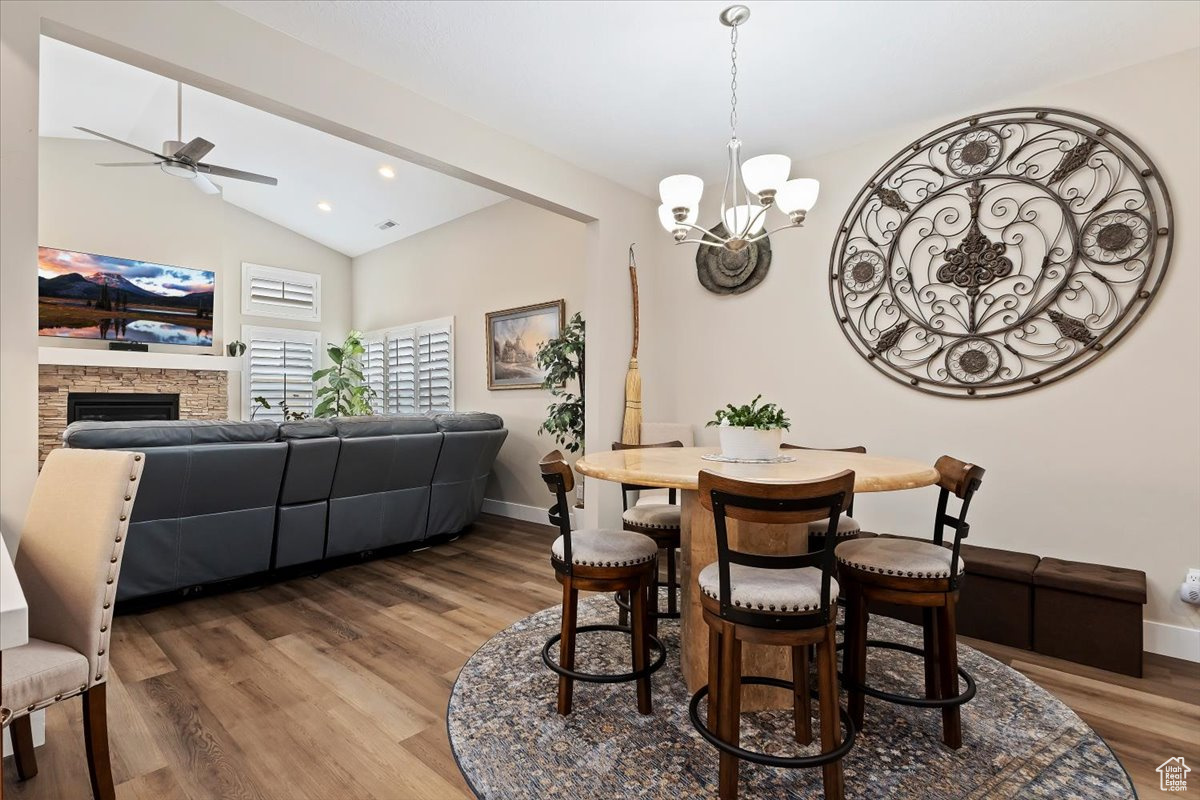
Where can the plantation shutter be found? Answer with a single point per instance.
(374, 367)
(275, 292)
(419, 368)
(436, 374)
(279, 364)
(402, 374)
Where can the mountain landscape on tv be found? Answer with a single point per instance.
(86, 296)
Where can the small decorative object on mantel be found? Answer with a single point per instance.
(235, 348)
(725, 271)
(1001, 252)
(751, 433)
(514, 337)
(631, 428)
(763, 179)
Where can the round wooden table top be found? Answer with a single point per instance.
(679, 468)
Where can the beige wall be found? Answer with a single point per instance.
(1101, 467)
(144, 214)
(503, 256)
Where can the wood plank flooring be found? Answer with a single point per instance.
(336, 686)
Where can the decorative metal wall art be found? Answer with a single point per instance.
(1001, 252)
(725, 271)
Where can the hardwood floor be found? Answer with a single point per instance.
(336, 686)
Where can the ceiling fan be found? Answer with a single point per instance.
(183, 159)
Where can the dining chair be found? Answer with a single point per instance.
(598, 561)
(661, 522)
(921, 574)
(663, 432)
(787, 600)
(68, 562)
(847, 526)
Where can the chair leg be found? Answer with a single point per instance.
(855, 667)
(730, 713)
(929, 628)
(640, 644)
(623, 615)
(672, 590)
(948, 669)
(95, 739)
(831, 723)
(651, 592)
(566, 645)
(24, 757)
(801, 703)
(714, 679)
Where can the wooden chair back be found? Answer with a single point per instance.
(962, 480)
(626, 488)
(559, 478)
(858, 448)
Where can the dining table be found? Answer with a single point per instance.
(679, 468)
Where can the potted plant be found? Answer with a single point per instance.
(562, 359)
(346, 392)
(751, 432)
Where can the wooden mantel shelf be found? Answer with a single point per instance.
(80, 357)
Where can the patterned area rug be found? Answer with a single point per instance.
(1018, 741)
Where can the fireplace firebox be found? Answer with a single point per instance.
(120, 406)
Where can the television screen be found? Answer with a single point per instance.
(86, 296)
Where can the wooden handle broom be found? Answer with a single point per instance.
(631, 431)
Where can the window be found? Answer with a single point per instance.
(279, 364)
(411, 368)
(286, 293)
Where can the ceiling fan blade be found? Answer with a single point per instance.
(205, 185)
(227, 172)
(131, 164)
(118, 141)
(195, 150)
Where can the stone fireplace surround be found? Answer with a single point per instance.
(203, 392)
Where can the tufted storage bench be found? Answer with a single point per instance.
(1089, 613)
(996, 603)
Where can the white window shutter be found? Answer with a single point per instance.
(436, 379)
(279, 368)
(374, 368)
(419, 367)
(285, 293)
(402, 374)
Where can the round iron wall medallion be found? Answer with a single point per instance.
(1001, 252)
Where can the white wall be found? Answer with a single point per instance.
(144, 214)
(1101, 467)
(507, 255)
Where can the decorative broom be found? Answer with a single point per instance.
(631, 431)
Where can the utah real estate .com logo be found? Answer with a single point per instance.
(1172, 775)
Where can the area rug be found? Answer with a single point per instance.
(1018, 740)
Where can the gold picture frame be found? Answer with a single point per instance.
(512, 338)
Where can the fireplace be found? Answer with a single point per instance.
(118, 406)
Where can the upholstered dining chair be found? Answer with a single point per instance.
(917, 573)
(67, 562)
(847, 526)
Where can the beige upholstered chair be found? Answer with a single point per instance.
(67, 562)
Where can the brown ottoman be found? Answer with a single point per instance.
(996, 600)
(1089, 613)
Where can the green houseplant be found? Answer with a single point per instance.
(346, 392)
(563, 360)
(751, 432)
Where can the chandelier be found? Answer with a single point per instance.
(750, 188)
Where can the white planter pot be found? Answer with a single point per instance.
(750, 443)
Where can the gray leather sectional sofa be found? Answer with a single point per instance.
(222, 500)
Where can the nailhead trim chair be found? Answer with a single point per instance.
(914, 573)
(847, 527)
(598, 561)
(68, 561)
(788, 600)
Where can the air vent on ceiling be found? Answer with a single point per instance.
(387, 223)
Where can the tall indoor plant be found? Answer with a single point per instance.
(346, 392)
(563, 360)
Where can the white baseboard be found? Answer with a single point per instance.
(1175, 641)
(503, 508)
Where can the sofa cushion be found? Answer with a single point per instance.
(468, 421)
(96, 435)
(1115, 583)
(383, 425)
(306, 429)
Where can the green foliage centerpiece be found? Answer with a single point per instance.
(751, 432)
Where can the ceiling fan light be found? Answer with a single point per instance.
(681, 191)
(178, 170)
(798, 195)
(763, 175)
(202, 183)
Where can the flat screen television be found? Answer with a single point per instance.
(88, 296)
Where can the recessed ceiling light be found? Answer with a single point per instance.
(324, 206)
(387, 171)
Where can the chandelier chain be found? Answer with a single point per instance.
(733, 37)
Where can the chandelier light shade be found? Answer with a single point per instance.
(751, 188)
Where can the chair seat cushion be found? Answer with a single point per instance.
(655, 497)
(906, 558)
(786, 590)
(657, 515)
(37, 672)
(607, 548)
(847, 526)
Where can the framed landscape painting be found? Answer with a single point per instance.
(513, 338)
